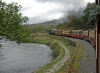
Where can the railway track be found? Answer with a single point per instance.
(88, 63)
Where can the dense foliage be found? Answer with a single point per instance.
(38, 29)
(90, 13)
(11, 20)
(83, 20)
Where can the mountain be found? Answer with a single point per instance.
(47, 24)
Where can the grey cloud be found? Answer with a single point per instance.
(25, 8)
(32, 21)
(54, 11)
(44, 17)
(38, 19)
(61, 1)
(75, 3)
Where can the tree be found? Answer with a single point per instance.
(90, 12)
(84, 22)
(75, 19)
(11, 20)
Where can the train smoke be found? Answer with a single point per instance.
(78, 13)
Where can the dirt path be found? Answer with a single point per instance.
(58, 65)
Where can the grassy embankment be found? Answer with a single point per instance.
(72, 65)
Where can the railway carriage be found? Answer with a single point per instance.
(58, 32)
(92, 37)
(85, 35)
(66, 33)
(76, 33)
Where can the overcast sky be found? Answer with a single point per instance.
(43, 10)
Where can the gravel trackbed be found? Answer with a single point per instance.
(88, 63)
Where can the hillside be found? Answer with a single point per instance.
(47, 24)
(64, 26)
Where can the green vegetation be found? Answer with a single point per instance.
(46, 24)
(39, 29)
(64, 26)
(10, 22)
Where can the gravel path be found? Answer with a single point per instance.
(58, 65)
(88, 63)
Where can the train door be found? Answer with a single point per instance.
(98, 42)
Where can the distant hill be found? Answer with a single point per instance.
(50, 25)
(47, 24)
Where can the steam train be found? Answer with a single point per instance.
(92, 36)
(80, 34)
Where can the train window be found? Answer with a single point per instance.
(80, 32)
(52, 31)
(76, 32)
